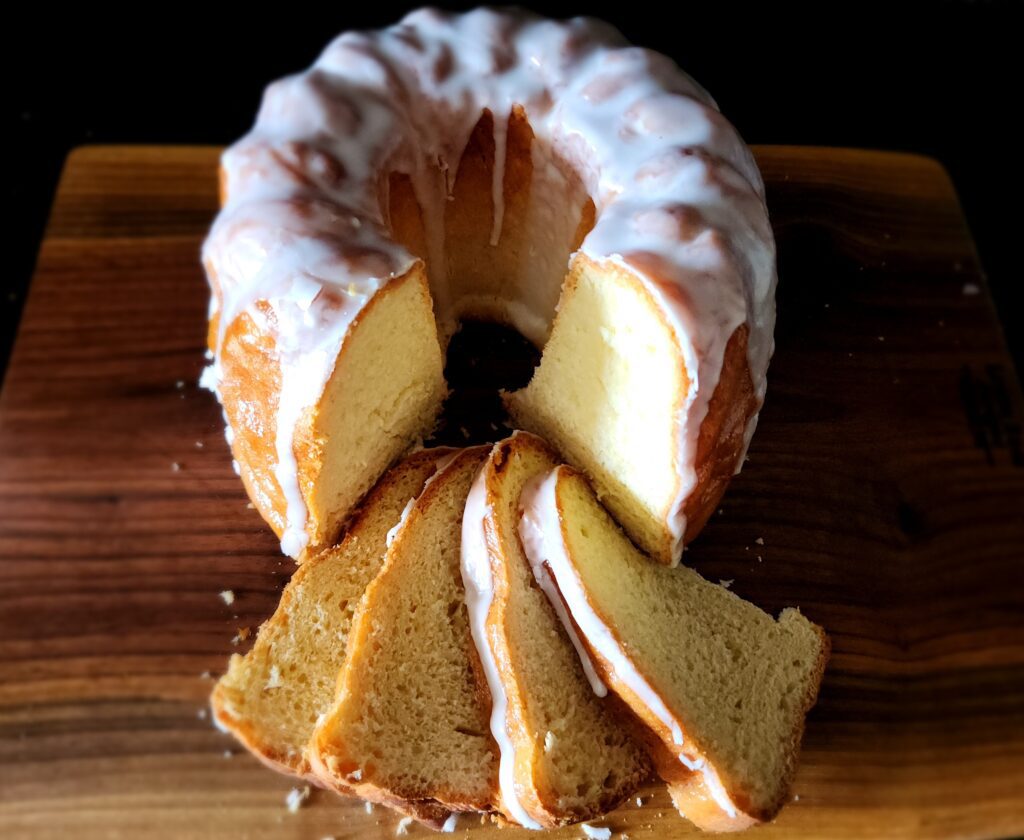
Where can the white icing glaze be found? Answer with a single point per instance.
(444, 458)
(534, 547)
(547, 547)
(479, 584)
(394, 529)
(302, 242)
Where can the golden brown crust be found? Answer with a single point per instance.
(249, 393)
(720, 443)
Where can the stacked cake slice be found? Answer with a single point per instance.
(485, 638)
(721, 687)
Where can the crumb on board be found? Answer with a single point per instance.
(201, 714)
(596, 833)
(759, 540)
(727, 584)
(296, 798)
(241, 635)
(971, 289)
(403, 825)
(450, 824)
(175, 466)
(228, 596)
(369, 807)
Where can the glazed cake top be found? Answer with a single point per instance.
(678, 198)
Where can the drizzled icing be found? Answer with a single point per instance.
(479, 582)
(543, 542)
(303, 240)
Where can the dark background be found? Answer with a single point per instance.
(940, 78)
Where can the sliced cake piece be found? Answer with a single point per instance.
(409, 727)
(563, 755)
(270, 698)
(723, 685)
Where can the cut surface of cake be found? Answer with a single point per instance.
(271, 698)
(564, 755)
(409, 727)
(722, 685)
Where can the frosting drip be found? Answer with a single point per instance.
(544, 544)
(479, 583)
(302, 242)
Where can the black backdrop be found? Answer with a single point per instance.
(940, 78)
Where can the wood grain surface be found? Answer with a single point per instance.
(884, 496)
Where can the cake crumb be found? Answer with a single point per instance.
(450, 824)
(758, 558)
(175, 466)
(179, 384)
(881, 338)
(201, 714)
(296, 798)
(403, 825)
(596, 833)
(759, 540)
(206, 675)
(241, 635)
(971, 289)
(250, 506)
(228, 596)
(464, 432)
(274, 681)
(369, 807)
(227, 754)
(796, 797)
(199, 444)
(640, 800)
(726, 584)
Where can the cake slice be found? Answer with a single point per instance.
(721, 685)
(270, 698)
(564, 757)
(409, 727)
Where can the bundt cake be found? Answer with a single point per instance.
(722, 687)
(271, 698)
(409, 727)
(452, 166)
(564, 757)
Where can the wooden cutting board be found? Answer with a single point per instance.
(884, 496)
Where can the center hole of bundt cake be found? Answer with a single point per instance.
(495, 231)
(484, 358)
